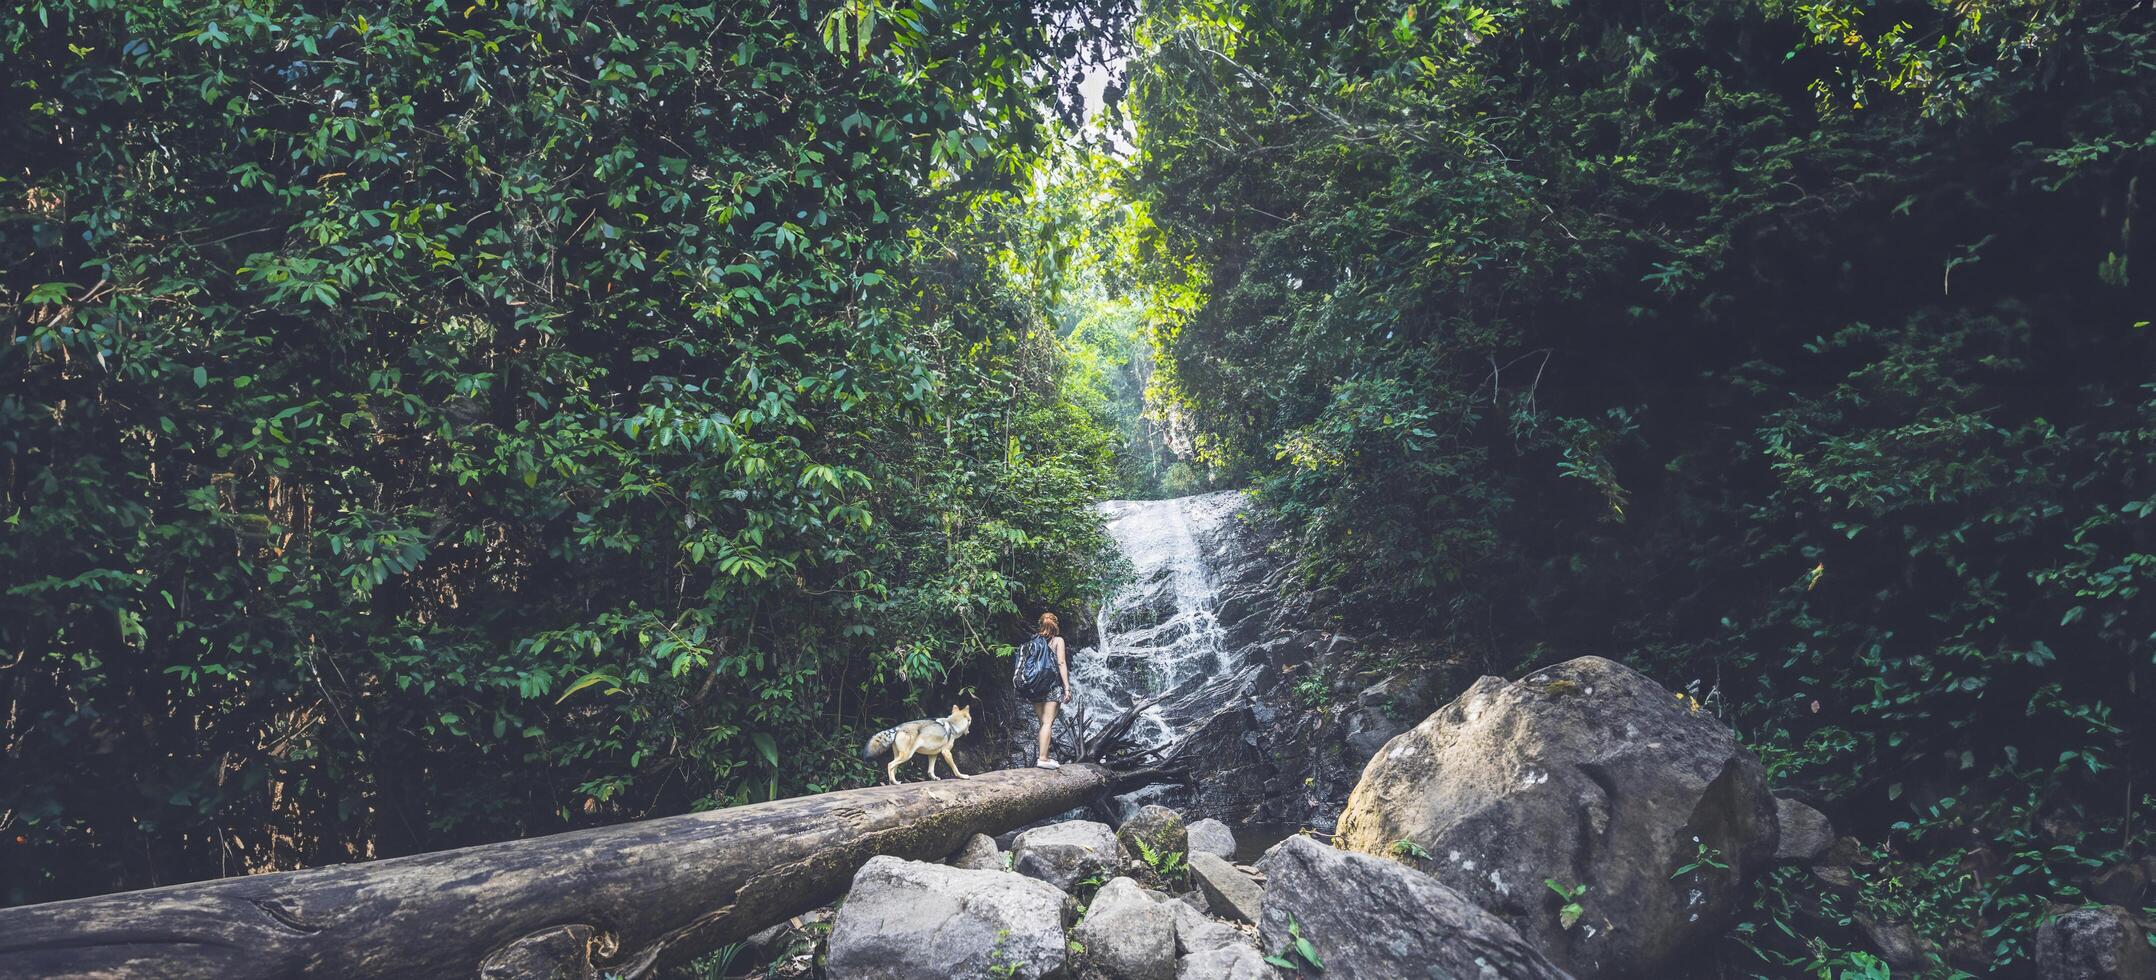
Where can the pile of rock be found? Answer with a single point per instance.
(1581, 821)
(1191, 914)
(991, 913)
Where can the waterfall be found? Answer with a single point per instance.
(1160, 633)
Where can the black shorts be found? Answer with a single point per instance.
(1054, 693)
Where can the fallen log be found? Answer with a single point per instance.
(622, 900)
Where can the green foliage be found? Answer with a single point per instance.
(1313, 690)
(1569, 912)
(999, 962)
(1410, 849)
(718, 964)
(1791, 351)
(1299, 954)
(455, 422)
(1707, 856)
(1169, 865)
(1076, 234)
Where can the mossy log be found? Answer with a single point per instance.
(619, 900)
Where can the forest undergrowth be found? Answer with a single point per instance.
(429, 424)
(1799, 353)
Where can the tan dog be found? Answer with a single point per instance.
(931, 737)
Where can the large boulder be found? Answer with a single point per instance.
(1158, 828)
(1067, 854)
(910, 920)
(1212, 837)
(1586, 774)
(1367, 917)
(2100, 942)
(1128, 934)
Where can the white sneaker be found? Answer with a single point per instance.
(1048, 764)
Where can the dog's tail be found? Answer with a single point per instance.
(879, 743)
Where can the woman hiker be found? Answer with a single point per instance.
(1042, 675)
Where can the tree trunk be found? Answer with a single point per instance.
(622, 899)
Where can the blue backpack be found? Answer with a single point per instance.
(1035, 674)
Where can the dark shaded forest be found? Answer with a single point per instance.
(436, 424)
(1796, 351)
(426, 425)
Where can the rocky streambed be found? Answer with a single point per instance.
(1579, 820)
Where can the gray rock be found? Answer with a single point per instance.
(1373, 918)
(979, 854)
(1213, 950)
(1195, 933)
(1386, 709)
(910, 920)
(1128, 934)
(1806, 834)
(1212, 837)
(1230, 892)
(1066, 854)
(1158, 827)
(1132, 933)
(1590, 774)
(2101, 942)
(1895, 942)
(1239, 962)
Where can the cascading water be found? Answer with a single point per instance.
(1159, 634)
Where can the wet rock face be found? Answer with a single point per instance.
(1214, 625)
(1370, 918)
(908, 920)
(1160, 635)
(1590, 774)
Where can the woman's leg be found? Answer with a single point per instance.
(1047, 711)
